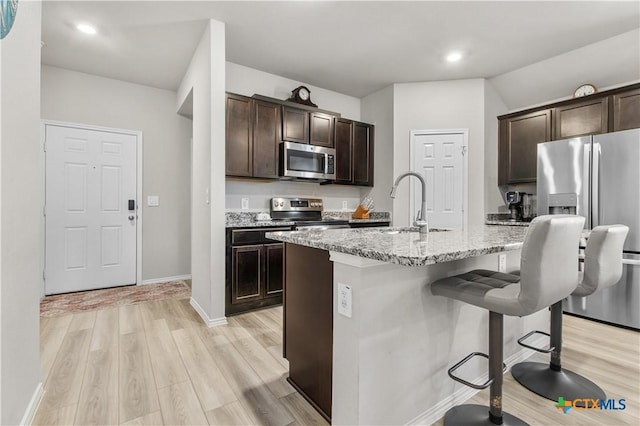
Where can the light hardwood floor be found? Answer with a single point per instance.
(156, 363)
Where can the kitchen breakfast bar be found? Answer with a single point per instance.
(378, 353)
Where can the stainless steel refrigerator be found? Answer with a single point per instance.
(598, 177)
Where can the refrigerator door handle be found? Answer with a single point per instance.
(595, 186)
(584, 206)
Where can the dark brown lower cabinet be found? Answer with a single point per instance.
(246, 282)
(308, 324)
(255, 271)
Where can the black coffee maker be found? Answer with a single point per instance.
(514, 202)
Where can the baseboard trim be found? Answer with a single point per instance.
(166, 279)
(209, 322)
(436, 412)
(30, 412)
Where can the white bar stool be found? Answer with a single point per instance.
(549, 266)
(602, 269)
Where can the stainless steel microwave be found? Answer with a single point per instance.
(298, 160)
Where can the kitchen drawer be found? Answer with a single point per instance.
(241, 237)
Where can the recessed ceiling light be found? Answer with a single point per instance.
(86, 28)
(454, 57)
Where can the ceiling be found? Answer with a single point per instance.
(354, 48)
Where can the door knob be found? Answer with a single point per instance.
(131, 217)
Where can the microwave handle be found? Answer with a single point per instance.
(326, 163)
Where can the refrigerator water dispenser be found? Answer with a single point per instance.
(566, 203)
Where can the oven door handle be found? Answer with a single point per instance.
(632, 262)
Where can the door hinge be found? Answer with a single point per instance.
(44, 275)
(44, 146)
(44, 210)
(463, 149)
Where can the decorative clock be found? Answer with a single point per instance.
(8, 10)
(302, 95)
(585, 90)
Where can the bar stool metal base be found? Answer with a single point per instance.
(471, 414)
(541, 379)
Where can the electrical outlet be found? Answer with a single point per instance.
(245, 204)
(345, 300)
(344, 205)
(502, 263)
(153, 201)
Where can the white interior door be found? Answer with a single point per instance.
(439, 157)
(90, 233)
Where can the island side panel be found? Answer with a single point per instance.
(391, 357)
(308, 324)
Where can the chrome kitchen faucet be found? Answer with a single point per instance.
(421, 217)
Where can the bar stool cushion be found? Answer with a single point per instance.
(603, 259)
(548, 265)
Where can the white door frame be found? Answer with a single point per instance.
(138, 135)
(465, 169)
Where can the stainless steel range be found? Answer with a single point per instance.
(306, 213)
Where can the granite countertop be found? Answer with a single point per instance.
(370, 220)
(503, 219)
(404, 246)
(506, 223)
(248, 219)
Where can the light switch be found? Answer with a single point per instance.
(153, 201)
(345, 300)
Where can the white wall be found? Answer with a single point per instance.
(260, 193)
(248, 81)
(493, 107)
(455, 104)
(87, 99)
(377, 108)
(611, 62)
(21, 232)
(204, 86)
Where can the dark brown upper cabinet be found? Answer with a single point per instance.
(255, 127)
(252, 137)
(321, 129)
(518, 145)
(354, 152)
(239, 135)
(344, 150)
(295, 125)
(520, 132)
(363, 154)
(590, 117)
(626, 110)
(266, 139)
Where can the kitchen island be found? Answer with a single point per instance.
(388, 360)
